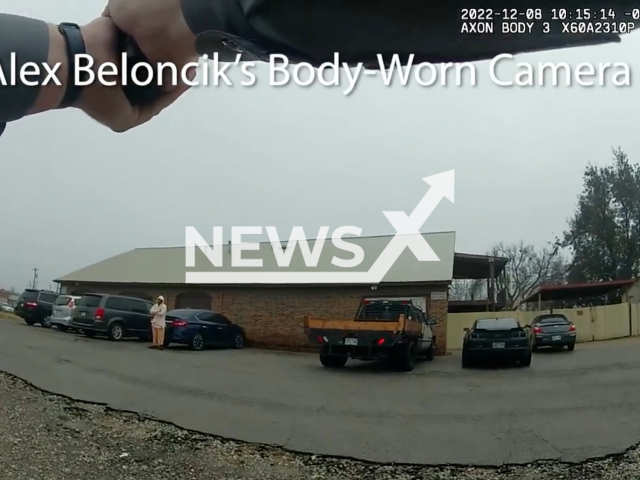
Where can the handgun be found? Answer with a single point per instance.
(138, 95)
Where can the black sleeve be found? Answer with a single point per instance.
(22, 40)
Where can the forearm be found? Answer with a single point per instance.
(29, 41)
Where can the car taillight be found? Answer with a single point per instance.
(179, 323)
(537, 330)
(30, 304)
(572, 328)
(99, 313)
(380, 341)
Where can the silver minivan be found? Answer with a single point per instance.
(62, 311)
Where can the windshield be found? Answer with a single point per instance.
(499, 324)
(90, 301)
(62, 300)
(29, 296)
(553, 320)
(383, 310)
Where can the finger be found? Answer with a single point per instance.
(106, 12)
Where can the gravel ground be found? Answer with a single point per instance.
(45, 436)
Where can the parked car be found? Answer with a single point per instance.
(202, 328)
(5, 307)
(62, 311)
(392, 330)
(553, 330)
(34, 306)
(115, 316)
(496, 338)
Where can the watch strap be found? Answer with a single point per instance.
(75, 46)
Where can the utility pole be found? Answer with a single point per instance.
(35, 278)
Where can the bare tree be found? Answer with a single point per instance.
(526, 269)
(468, 290)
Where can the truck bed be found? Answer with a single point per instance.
(400, 325)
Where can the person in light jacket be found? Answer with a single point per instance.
(158, 314)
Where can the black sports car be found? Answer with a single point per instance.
(493, 338)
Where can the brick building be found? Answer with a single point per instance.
(272, 314)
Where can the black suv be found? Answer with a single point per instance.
(113, 315)
(34, 306)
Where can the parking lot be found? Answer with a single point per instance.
(568, 405)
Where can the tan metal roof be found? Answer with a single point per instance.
(166, 265)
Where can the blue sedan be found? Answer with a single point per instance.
(202, 328)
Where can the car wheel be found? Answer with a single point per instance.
(406, 358)
(238, 343)
(45, 322)
(526, 360)
(333, 361)
(62, 328)
(89, 333)
(116, 331)
(571, 347)
(430, 353)
(466, 360)
(197, 342)
(29, 321)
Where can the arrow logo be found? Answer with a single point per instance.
(407, 236)
(408, 227)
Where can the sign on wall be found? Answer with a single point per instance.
(438, 295)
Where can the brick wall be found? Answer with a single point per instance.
(438, 310)
(272, 316)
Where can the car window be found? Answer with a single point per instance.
(90, 301)
(47, 297)
(139, 306)
(497, 324)
(205, 317)
(384, 310)
(218, 318)
(118, 303)
(28, 296)
(555, 320)
(62, 300)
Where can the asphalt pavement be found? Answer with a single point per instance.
(568, 406)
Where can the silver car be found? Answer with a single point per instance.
(62, 311)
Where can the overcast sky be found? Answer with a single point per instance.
(73, 193)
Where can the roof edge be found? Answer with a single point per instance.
(268, 242)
